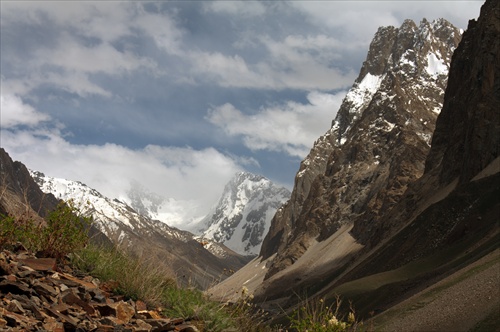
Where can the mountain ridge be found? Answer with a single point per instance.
(360, 166)
(182, 251)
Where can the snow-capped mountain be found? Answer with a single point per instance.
(243, 214)
(115, 218)
(128, 228)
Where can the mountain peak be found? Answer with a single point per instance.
(243, 214)
(360, 166)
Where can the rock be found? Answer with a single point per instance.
(124, 311)
(40, 264)
(37, 299)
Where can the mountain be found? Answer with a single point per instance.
(377, 215)
(377, 143)
(243, 214)
(181, 251)
(21, 198)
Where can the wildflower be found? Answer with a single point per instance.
(333, 321)
(351, 317)
(244, 290)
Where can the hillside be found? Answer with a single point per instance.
(380, 211)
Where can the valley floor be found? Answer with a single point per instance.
(456, 303)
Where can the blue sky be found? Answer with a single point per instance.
(179, 95)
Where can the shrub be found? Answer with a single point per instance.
(64, 231)
(317, 316)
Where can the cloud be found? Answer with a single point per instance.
(297, 62)
(240, 8)
(77, 40)
(359, 20)
(192, 179)
(290, 127)
(14, 112)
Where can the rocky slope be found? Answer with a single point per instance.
(412, 217)
(39, 295)
(377, 143)
(243, 214)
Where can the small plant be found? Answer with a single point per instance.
(317, 316)
(135, 278)
(10, 232)
(63, 232)
(246, 315)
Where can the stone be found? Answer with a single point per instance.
(124, 311)
(33, 298)
(40, 264)
(186, 328)
(44, 289)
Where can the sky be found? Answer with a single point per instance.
(175, 97)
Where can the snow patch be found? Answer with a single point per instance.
(435, 66)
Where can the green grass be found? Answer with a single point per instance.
(147, 279)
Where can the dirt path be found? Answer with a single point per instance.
(456, 303)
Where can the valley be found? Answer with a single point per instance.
(395, 208)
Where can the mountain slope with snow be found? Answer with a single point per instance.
(181, 250)
(243, 214)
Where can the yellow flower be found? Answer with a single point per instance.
(333, 321)
(351, 317)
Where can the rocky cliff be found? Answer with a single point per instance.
(377, 143)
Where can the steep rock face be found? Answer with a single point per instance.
(243, 214)
(448, 218)
(22, 198)
(467, 133)
(377, 143)
(19, 193)
(180, 250)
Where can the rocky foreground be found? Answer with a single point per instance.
(38, 295)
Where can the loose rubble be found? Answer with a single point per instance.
(37, 295)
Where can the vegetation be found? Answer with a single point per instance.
(63, 231)
(64, 235)
(318, 316)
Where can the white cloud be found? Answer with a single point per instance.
(14, 112)
(359, 20)
(291, 127)
(297, 62)
(193, 179)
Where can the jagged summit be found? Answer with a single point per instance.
(243, 214)
(377, 143)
